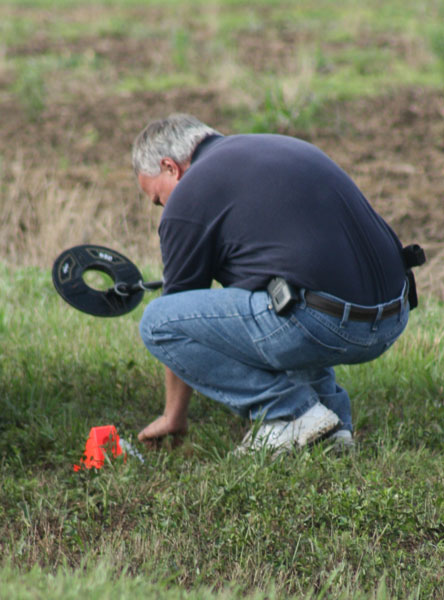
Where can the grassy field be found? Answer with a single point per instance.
(198, 517)
(78, 80)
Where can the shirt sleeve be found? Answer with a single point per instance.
(187, 256)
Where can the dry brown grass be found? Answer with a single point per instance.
(41, 216)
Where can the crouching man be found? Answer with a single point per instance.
(311, 275)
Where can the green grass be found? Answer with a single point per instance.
(363, 525)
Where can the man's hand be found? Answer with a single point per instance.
(174, 419)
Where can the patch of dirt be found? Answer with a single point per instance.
(99, 129)
(123, 53)
(282, 50)
(393, 146)
(272, 50)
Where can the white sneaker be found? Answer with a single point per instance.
(343, 439)
(283, 435)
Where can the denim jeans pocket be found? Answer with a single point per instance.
(291, 345)
(363, 340)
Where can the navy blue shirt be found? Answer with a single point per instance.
(251, 207)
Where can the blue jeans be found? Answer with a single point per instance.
(230, 345)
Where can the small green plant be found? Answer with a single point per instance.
(180, 48)
(283, 113)
(30, 88)
(436, 38)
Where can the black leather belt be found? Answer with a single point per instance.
(357, 313)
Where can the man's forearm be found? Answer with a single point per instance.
(174, 418)
(177, 399)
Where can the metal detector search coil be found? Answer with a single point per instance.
(123, 297)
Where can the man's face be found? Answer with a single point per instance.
(159, 187)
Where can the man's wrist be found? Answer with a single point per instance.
(177, 422)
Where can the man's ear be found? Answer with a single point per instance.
(168, 165)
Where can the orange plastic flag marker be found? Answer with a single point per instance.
(101, 440)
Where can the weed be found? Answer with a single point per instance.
(180, 49)
(30, 88)
(436, 37)
(282, 112)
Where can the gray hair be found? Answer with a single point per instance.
(175, 137)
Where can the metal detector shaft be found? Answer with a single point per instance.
(123, 289)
